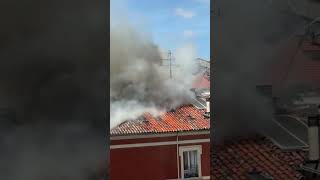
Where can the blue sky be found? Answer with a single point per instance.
(171, 23)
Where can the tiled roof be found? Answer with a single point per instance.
(185, 118)
(235, 158)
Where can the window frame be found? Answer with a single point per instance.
(183, 149)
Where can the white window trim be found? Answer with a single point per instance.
(182, 149)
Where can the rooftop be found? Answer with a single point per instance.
(184, 118)
(236, 158)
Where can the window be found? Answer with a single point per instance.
(190, 164)
(190, 158)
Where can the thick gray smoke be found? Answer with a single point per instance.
(52, 89)
(246, 35)
(139, 78)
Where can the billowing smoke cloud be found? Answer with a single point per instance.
(246, 36)
(140, 78)
(52, 89)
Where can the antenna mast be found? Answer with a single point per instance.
(170, 58)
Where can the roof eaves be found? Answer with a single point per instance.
(164, 132)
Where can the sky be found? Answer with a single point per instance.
(171, 24)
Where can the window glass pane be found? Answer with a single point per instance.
(190, 164)
(185, 160)
(190, 160)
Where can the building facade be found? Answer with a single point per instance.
(177, 146)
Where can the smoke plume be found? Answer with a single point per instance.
(52, 89)
(246, 35)
(140, 78)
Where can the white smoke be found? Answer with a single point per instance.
(129, 109)
(139, 82)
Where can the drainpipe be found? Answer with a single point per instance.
(178, 155)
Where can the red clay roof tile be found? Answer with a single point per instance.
(179, 120)
(254, 153)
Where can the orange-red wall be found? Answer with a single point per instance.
(152, 163)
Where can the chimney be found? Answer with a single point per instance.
(207, 113)
(313, 136)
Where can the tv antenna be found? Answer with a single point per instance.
(170, 58)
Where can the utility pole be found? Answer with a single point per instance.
(170, 58)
